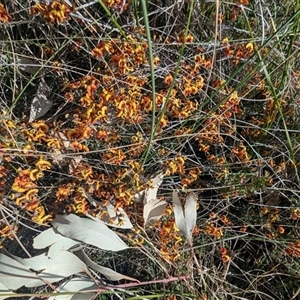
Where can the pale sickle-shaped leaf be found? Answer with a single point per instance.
(179, 216)
(27, 64)
(74, 286)
(112, 214)
(151, 193)
(61, 245)
(40, 103)
(14, 274)
(190, 213)
(48, 238)
(153, 208)
(53, 239)
(89, 232)
(108, 273)
(153, 211)
(52, 270)
(5, 291)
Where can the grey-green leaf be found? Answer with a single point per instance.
(108, 273)
(27, 64)
(5, 292)
(73, 287)
(89, 232)
(53, 239)
(179, 216)
(190, 213)
(40, 104)
(51, 270)
(153, 211)
(14, 274)
(153, 207)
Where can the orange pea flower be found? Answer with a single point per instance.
(22, 182)
(43, 164)
(4, 15)
(40, 217)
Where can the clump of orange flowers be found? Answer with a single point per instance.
(224, 254)
(212, 230)
(7, 231)
(4, 15)
(26, 191)
(170, 239)
(293, 249)
(120, 5)
(55, 12)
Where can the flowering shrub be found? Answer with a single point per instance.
(215, 120)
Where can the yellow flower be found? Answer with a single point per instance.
(40, 125)
(43, 164)
(36, 174)
(21, 200)
(114, 156)
(86, 100)
(31, 195)
(97, 52)
(79, 147)
(38, 9)
(101, 114)
(156, 61)
(225, 258)
(249, 47)
(83, 171)
(40, 217)
(64, 191)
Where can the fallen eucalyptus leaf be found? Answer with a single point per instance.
(40, 104)
(53, 239)
(151, 193)
(108, 273)
(185, 221)
(153, 211)
(190, 213)
(14, 274)
(76, 288)
(153, 208)
(139, 197)
(179, 215)
(5, 292)
(89, 232)
(52, 270)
